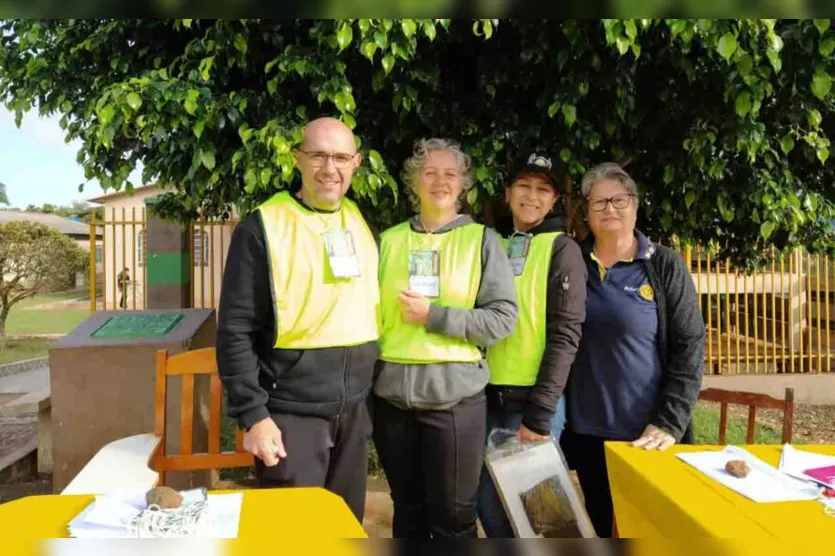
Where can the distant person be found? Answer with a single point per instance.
(447, 293)
(298, 324)
(639, 367)
(122, 282)
(529, 369)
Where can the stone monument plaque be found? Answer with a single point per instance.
(138, 326)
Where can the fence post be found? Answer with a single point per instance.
(94, 241)
(168, 272)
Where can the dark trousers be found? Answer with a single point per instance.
(585, 454)
(323, 453)
(432, 460)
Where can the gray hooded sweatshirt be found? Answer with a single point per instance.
(438, 386)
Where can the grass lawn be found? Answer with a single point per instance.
(20, 350)
(25, 320)
(51, 298)
(706, 429)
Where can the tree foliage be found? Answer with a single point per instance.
(32, 256)
(3, 197)
(725, 124)
(79, 210)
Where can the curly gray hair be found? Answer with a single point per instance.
(607, 171)
(414, 165)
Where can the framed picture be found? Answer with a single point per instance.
(536, 491)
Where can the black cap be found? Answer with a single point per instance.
(537, 164)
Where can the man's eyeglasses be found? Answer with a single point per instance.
(319, 158)
(619, 202)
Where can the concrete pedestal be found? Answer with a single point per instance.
(103, 389)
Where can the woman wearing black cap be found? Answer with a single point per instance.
(529, 369)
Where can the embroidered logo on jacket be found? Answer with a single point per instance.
(646, 292)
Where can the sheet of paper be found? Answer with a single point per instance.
(763, 484)
(224, 515)
(794, 462)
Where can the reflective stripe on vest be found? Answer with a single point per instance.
(515, 360)
(460, 278)
(312, 308)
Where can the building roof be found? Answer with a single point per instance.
(123, 193)
(64, 225)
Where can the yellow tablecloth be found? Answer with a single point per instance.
(657, 495)
(283, 518)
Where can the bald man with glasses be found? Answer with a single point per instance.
(298, 325)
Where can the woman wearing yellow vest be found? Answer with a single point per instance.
(529, 369)
(446, 292)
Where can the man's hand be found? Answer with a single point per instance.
(653, 438)
(415, 307)
(527, 435)
(263, 440)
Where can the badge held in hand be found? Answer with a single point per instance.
(425, 272)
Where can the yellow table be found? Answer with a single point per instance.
(657, 495)
(283, 518)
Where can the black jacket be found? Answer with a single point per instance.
(260, 379)
(565, 313)
(681, 342)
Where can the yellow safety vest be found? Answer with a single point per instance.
(314, 309)
(460, 278)
(515, 360)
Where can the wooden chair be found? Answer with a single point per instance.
(188, 365)
(140, 461)
(753, 401)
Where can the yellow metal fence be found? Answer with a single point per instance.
(778, 320)
(117, 263)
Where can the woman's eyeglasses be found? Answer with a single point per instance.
(619, 202)
(340, 160)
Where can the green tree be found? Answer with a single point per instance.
(722, 122)
(33, 256)
(78, 209)
(3, 197)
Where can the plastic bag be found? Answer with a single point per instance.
(535, 487)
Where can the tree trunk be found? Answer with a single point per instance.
(3, 314)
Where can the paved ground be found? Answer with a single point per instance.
(27, 381)
(17, 430)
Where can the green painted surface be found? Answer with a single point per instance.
(167, 269)
(138, 326)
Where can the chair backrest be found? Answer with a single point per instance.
(187, 365)
(753, 401)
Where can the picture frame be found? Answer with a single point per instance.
(517, 469)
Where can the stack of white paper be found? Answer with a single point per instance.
(109, 515)
(763, 484)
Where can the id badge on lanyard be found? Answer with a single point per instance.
(425, 272)
(342, 253)
(517, 252)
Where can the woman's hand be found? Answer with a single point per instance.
(415, 307)
(653, 438)
(527, 435)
